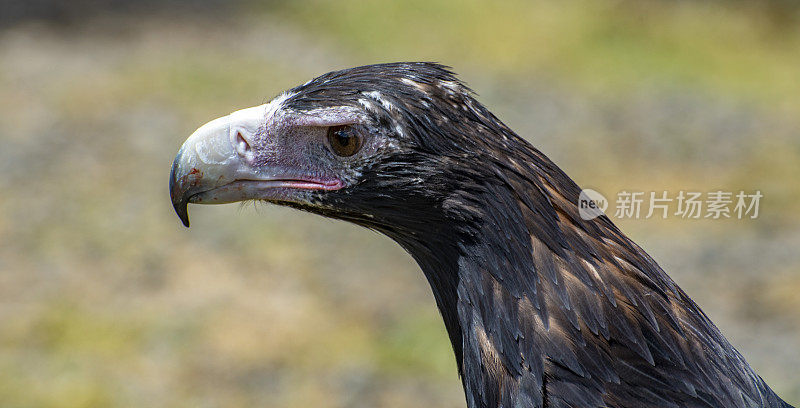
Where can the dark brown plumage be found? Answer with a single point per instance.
(543, 308)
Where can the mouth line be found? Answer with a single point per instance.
(303, 184)
(261, 184)
(243, 189)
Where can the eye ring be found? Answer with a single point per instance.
(344, 141)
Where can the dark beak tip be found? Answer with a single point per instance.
(181, 208)
(185, 221)
(179, 200)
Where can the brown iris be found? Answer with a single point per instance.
(343, 140)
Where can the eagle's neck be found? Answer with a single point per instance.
(479, 256)
(468, 261)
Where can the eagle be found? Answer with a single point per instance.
(543, 307)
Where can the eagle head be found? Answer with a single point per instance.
(381, 145)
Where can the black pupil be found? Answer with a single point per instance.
(343, 138)
(343, 141)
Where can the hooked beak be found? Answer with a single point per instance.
(216, 165)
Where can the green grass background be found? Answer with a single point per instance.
(106, 301)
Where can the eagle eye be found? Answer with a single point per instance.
(343, 140)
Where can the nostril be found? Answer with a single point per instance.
(241, 143)
(243, 147)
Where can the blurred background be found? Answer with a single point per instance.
(107, 301)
